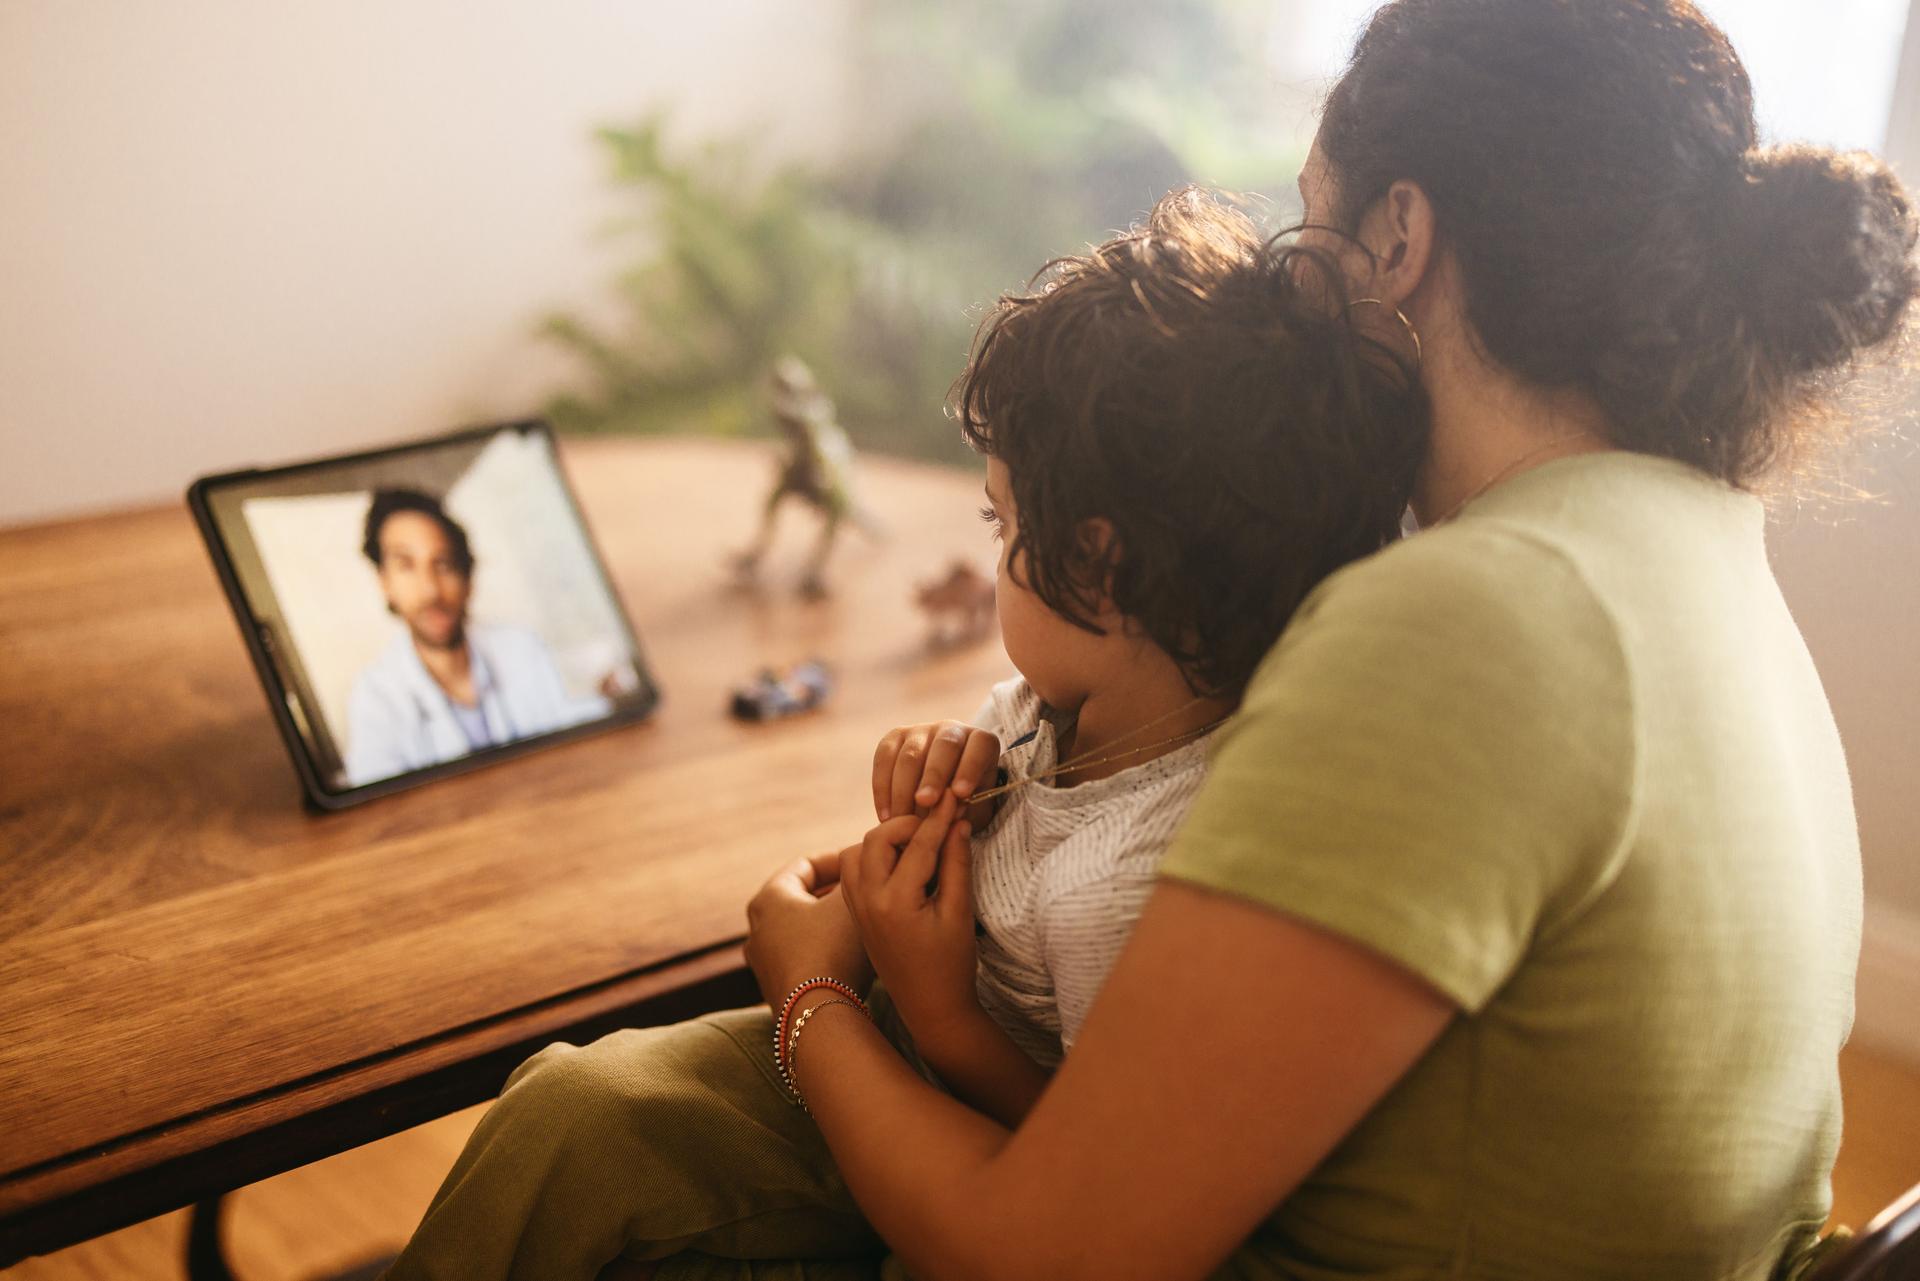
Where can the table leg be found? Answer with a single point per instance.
(206, 1261)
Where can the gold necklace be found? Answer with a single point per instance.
(1505, 472)
(1081, 763)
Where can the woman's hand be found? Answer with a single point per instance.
(921, 944)
(798, 928)
(916, 763)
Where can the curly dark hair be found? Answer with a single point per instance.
(389, 502)
(1206, 391)
(1593, 166)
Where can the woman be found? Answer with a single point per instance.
(1513, 935)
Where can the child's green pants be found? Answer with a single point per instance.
(670, 1141)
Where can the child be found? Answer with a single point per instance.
(1166, 491)
(1184, 435)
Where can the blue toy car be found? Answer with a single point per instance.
(771, 696)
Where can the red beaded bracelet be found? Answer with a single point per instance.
(786, 1012)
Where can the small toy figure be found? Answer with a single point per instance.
(959, 606)
(817, 468)
(771, 696)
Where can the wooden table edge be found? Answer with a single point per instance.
(59, 1203)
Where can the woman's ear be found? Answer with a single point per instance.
(1400, 232)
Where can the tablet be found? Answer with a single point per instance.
(422, 610)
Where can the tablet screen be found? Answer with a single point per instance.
(422, 608)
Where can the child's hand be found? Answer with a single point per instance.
(795, 931)
(916, 763)
(921, 946)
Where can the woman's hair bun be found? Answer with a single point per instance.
(1825, 243)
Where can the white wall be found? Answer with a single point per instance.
(1851, 572)
(234, 232)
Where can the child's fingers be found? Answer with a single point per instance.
(907, 883)
(898, 831)
(906, 770)
(850, 885)
(980, 814)
(954, 902)
(943, 760)
(792, 880)
(823, 872)
(875, 860)
(881, 850)
(978, 761)
(883, 758)
(850, 879)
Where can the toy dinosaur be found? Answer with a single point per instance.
(817, 468)
(960, 606)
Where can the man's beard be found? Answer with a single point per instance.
(456, 638)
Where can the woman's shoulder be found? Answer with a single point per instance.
(1556, 555)
(1489, 570)
(1477, 594)
(1438, 757)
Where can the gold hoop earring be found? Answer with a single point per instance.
(1419, 359)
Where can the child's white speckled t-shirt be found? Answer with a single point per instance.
(1062, 873)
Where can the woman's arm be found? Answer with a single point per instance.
(1230, 1051)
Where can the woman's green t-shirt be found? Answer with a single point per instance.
(1566, 758)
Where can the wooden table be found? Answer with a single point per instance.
(202, 985)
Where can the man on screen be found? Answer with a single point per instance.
(445, 686)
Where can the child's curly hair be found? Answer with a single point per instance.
(1206, 391)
